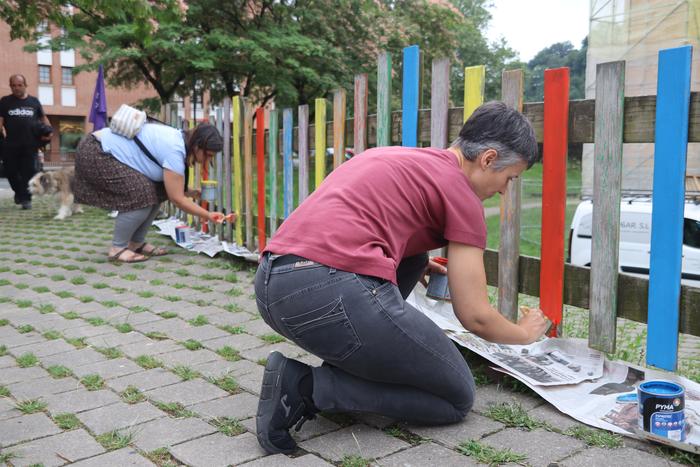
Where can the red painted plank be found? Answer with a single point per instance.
(556, 111)
(260, 155)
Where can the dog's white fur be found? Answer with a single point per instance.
(57, 183)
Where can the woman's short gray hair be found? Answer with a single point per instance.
(496, 126)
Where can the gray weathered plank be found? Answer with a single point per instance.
(383, 123)
(360, 113)
(303, 150)
(607, 185)
(339, 97)
(228, 182)
(512, 95)
(439, 102)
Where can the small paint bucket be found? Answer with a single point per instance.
(437, 284)
(183, 234)
(662, 409)
(209, 190)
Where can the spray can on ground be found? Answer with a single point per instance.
(437, 283)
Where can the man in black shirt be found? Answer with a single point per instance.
(20, 114)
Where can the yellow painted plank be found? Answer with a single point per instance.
(474, 80)
(237, 169)
(320, 140)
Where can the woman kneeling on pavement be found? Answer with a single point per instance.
(335, 277)
(113, 173)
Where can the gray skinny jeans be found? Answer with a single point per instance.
(380, 354)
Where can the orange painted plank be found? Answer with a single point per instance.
(260, 155)
(556, 112)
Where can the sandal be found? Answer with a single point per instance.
(154, 251)
(116, 258)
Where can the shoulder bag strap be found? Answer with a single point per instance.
(146, 151)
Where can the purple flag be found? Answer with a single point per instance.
(98, 110)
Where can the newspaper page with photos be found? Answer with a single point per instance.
(549, 362)
(203, 243)
(606, 400)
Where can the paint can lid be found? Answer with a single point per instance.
(666, 388)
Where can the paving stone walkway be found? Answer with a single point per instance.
(160, 363)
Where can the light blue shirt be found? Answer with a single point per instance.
(165, 144)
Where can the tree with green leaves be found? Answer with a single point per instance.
(561, 54)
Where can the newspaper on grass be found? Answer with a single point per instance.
(606, 401)
(203, 243)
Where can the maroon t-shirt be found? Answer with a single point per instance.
(381, 206)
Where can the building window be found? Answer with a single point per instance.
(44, 74)
(67, 76)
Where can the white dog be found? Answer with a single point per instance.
(57, 183)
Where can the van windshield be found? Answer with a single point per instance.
(691, 233)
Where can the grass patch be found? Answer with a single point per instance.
(229, 353)
(182, 272)
(355, 461)
(172, 298)
(78, 280)
(232, 329)
(4, 322)
(4, 392)
(31, 406)
(233, 308)
(21, 286)
(148, 362)
(26, 360)
(234, 292)
(486, 454)
(676, 455)
(130, 277)
(272, 338)
(228, 426)
(513, 415)
(25, 328)
(231, 277)
(156, 282)
(7, 456)
(110, 303)
(161, 457)
(109, 352)
(115, 439)
(45, 308)
(598, 438)
(77, 342)
(146, 294)
(185, 373)
(59, 371)
(178, 285)
(262, 361)
(40, 289)
(64, 294)
(199, 320)
(123, 327)
(52, 335)
(66, 421)
(191, 344)
(227, 383)
(397, 431)
(138, 309)
(156, 335)
(168, 315)
(23, 304)
(96, 321)
(93, 382)
(90, 269)
(132, 395)
(100, 285)
(86, 299)
(174, 409)
(3, 350)
(57, 277)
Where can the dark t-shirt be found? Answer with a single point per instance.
(20, 117)
(381, 206)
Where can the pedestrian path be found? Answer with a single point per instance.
(160, 363)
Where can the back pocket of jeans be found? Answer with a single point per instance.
(325, 331)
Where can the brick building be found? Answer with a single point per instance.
(66, 98)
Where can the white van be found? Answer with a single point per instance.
(635, 237)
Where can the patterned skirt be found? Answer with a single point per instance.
(104, 182)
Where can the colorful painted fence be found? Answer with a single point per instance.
(610, 120)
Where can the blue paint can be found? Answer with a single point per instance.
(662, 409)
(437, 284)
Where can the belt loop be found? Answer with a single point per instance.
(268, 266)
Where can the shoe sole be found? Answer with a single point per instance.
(270, 392)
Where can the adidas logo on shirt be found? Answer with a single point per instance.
(21, 112)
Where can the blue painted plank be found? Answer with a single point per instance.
(288, 129)
(670, 145)
(410, 96)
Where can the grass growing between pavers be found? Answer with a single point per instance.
(115, 439)
(228, 426)
(109, 352)
(77, 342)
(491, 456)
(191, 344)
(4, 392)
(52, 335)
(71, 315)
(59, 371)
(148, 362)
(399, 432)
(229, 353)
(272, 338)
(174, 409)
(26, 360)
(513, 416)
(232, 329)
(7, 456)
(676, 455)
(227, 383)
(132, 395)
(3, 350)
(31, 406)
(594, 437)
(92, 382)
(355, 461)
(66, 421)
(161, 457)
(185, 373)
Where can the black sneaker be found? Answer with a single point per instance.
(282, 405)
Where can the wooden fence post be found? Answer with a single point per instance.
(360, 113)
(228, 179)
(474, 81)
(237, 170)
(439, 102)
(260, 156)
(287, 131)
(303, 152)
(670, 148)
(273, 138)
(320, 140)
(509, 248)
(384, 99)
(248, 172)
(607, 186)
(410, 96)
(556, 118)
(338, 127)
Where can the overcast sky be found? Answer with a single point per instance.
(531, 25)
